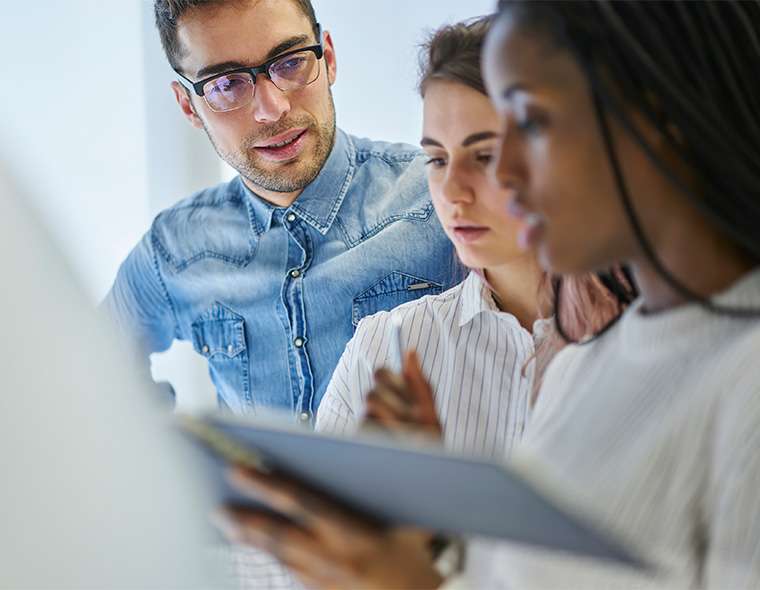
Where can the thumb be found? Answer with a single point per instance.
(418, 385)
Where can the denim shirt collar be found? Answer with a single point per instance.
(320, 201)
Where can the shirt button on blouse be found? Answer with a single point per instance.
(295, 273)
(298, 342)
(205, 349)
(291, 217)
(305, 417)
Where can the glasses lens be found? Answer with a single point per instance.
(228, 92)
(295, 70)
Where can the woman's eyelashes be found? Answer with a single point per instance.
(529, 125)
(525, 120)
(435, 162)
(530, 121)
(481, 157)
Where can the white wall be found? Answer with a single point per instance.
(88, 121)
(377, 47)
(72, 123)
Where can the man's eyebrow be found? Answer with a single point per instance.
(425, 141)
(285, 45)
(217, 69)
(231, 65)
(476, 137)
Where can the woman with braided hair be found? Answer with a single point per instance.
(630, 135)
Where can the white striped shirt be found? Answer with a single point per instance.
(476, 360)
(475, 357)
(654, 432)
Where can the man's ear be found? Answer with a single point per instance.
(185, 104)
(329, 51)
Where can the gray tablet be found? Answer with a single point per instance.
(401, 484)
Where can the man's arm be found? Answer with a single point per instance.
(139, 302)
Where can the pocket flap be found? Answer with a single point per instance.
(393, 290)
(219, 331)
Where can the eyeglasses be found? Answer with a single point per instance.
(236, 88)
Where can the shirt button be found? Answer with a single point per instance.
(230, 348)
(298, 342)
(295, 273)
(291, 217)
(305, 417)
(205, 349)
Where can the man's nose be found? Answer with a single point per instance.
(270, 103)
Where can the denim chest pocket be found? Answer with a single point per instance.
(219, 335)
(390, 292)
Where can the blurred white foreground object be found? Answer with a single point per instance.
(96, 491)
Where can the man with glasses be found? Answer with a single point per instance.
(268, 275)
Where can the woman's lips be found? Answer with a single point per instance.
(530, 232)
(274, 149)
(468, 234)
(531, 225)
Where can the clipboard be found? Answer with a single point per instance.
(399, 484)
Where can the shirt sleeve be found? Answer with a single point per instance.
(139, 302)
(457, 582)
(342, 407)
(733, 514)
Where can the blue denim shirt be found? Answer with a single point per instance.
(270, 296)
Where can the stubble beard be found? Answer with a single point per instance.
(293, 176)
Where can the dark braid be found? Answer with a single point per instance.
(690, 68)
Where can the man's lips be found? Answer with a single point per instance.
(283, 138)
(284, 147)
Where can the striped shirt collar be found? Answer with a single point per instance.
(476, 298)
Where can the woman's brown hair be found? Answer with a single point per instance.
(452, 53)
(587, 305)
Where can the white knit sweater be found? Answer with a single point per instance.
(654, 432)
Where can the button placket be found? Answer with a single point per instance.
(298, 262)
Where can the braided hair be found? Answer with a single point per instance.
(690, 70)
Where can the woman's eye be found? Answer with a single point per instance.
(484, 158)
(435, 162)
(528, 125)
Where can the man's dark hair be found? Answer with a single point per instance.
(169, 12)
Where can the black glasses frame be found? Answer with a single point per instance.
(254, 71)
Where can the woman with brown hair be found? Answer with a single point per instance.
(483, 345)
